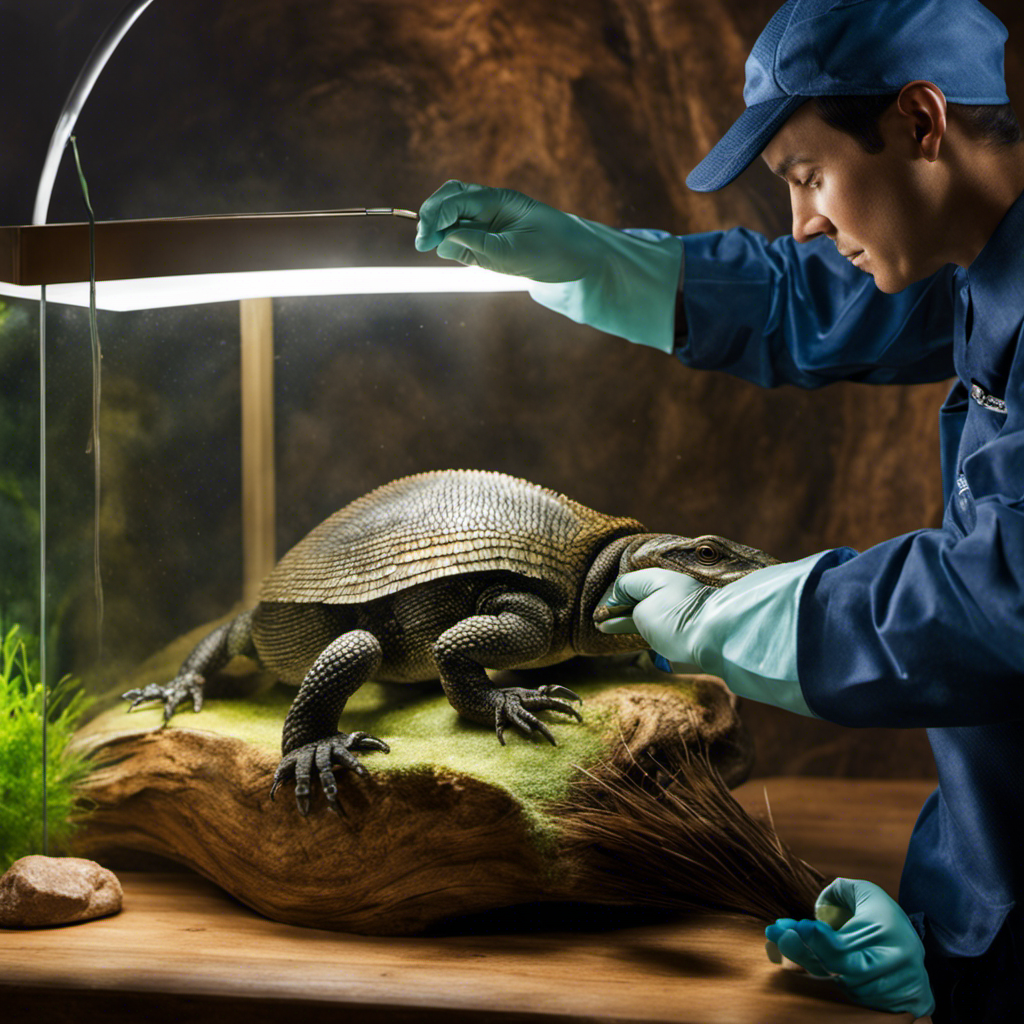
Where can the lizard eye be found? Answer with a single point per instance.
(708, 554)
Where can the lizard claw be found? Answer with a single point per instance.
(514, 706)
(553, 690)
(327, 754)
(172, 694)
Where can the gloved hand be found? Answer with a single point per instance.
(744, 633)
(876, 955)
(621, 282)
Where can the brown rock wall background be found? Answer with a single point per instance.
(600, 107)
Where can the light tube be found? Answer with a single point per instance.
(192, 289)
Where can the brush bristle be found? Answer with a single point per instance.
(685, 843)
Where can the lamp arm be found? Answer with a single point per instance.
(94, 64)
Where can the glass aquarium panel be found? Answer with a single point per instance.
(22, 696)
(169, 483)
(365, 389)
(128, 567)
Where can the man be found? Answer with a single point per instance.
(890, 123)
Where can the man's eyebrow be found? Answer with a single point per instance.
(782, 168)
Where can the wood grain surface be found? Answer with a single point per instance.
(182, 950)
(854, 827)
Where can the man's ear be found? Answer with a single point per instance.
(924, 105)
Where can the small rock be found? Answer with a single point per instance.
(41, 892)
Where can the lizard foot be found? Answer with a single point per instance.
(513, 705)
(325, 754)
(189, 684)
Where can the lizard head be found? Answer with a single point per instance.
(713, 560)
(710, 559)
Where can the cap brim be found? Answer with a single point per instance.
(741, 145)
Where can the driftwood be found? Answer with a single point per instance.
(455, 824)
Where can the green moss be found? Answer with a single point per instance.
(423, 730)
(21, 752)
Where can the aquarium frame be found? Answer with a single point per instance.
(37, 254)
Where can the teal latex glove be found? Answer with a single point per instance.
(744, 633)
(620, 282)
(876, 955)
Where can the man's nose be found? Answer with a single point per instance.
(808, 223)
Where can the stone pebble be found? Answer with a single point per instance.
(44, 892)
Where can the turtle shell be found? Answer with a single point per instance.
(447, 523)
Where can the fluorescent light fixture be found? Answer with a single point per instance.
(179, 261)
(191, 289)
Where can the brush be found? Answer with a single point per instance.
(675, 837)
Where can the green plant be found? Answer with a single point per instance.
(21, 751)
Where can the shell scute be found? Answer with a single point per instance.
(432, 525)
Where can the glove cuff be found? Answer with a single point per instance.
(631, 292)
(747, 634)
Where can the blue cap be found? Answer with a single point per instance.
(856, 48)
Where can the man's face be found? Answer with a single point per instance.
(879, 209)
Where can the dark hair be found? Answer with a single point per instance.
(858, 116)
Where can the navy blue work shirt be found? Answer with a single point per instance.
(927, 629)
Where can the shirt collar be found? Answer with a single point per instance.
(996, 277)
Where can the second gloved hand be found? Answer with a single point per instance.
(744, 633)
(876, 955)
(621, 282)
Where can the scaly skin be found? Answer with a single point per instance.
(482, 596)
(210, 655)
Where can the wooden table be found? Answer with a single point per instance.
(183, 951)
